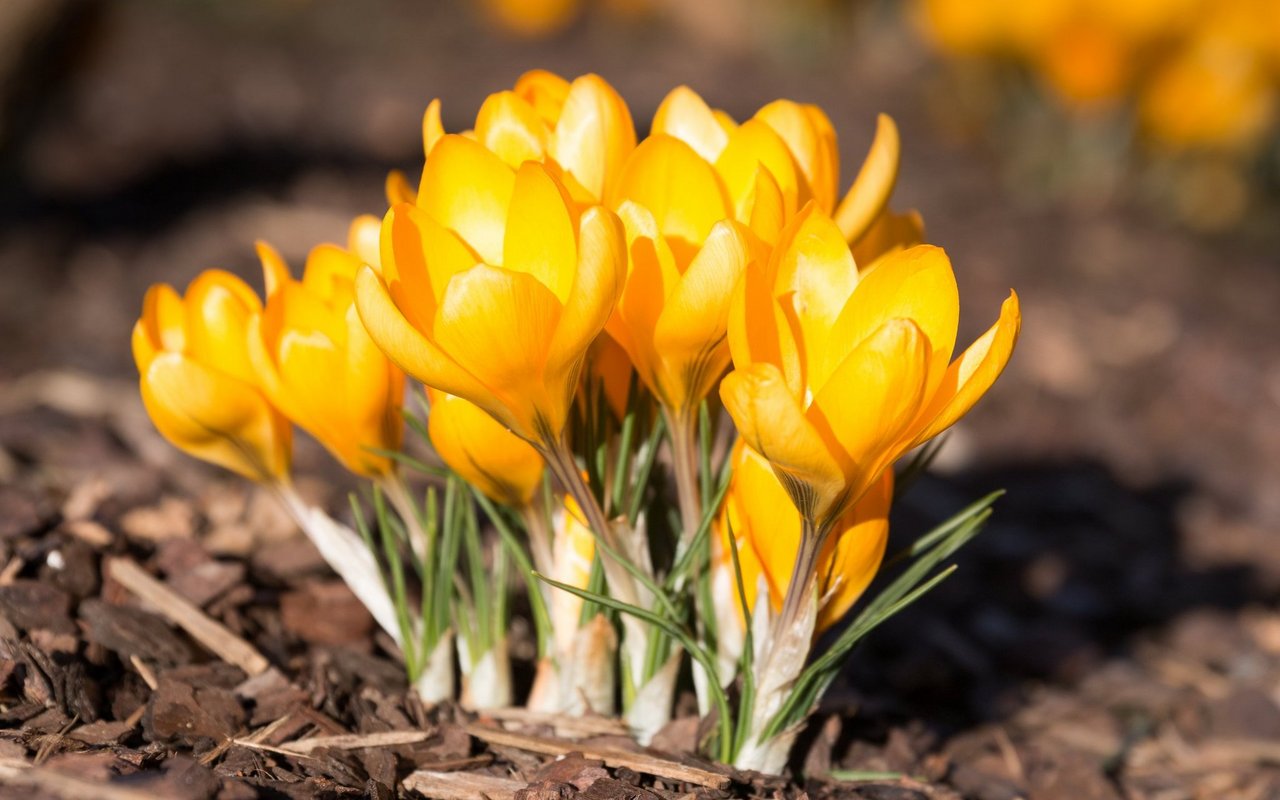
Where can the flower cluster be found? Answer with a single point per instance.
(581, 308)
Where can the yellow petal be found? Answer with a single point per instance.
(872, 398)
(143, 348)
(751, 146)
(916, 284)
(681, 190)
(890, 233)
(854, 551)
(275, 272)
(397, 189)
(215, 417)
(498, 325)
(403, 343)
(164, 318)
(770, 421)
(651, 276)
(809, 137)
(511, 129)
(432, 129)
(766, 211)
(594, 134)
(541, 235)
(545, 91)
(973, 373)
(814, 265)
(691, 332)
(219, 305)
(467, 189)
(330, 269)
(686, 116)
(374, 389)
(597, 282)
(759, 329)
(419, 257)
(488, 456)
(871, 189)
(362, 240)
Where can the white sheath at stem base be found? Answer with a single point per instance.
(651, 707)
(436, 683)
(487, 684)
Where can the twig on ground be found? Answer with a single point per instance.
(462, 785)
(173, 607)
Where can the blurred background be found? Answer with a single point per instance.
(1116, 162)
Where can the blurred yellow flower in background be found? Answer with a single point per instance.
(197, 382)
(767, 528)
(838, 375)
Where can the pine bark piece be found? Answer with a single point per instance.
(612, 756)
(462, 785)
(205, 630)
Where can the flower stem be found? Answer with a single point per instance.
(534, 517)
(800, 587)
(683, 426)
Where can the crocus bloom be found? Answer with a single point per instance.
(317, 364)
(486, 455)
(837, 375)
(766, 528)
(532, 18)
(494, 286)
(785, 157)
(582, 129)
(198, 384)
(685, 258)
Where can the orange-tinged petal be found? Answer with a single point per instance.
(681, 190)
(144, 350)
(651, 276)
(973, 373)
(419, 256)
(771, 422)
(690, 334)
(374, 389)
(329, 269)
(871, 189)
(597, 282)
(406, 345)
(498, 325)
(397, 188)
(467, 189)
(275, 273)
(686, 116)
(594, 134)
(872, 398)
(759, 329)
(511, 129)
(854, 551)
(487, 455)
(545, 91)
(541, 232)
(164, 318)
(753, 145)
(432, 129)
(916, 284)
(215, 417)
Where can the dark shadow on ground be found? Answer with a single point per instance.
(1075, 567)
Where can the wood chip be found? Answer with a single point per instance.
(462, 785)
(564, 724)
(220, 641)
(612, 756)
(148, 677)
(51, 783)
(356, 741)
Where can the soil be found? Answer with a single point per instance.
(1113, 634)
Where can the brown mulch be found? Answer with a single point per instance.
(1114, 634)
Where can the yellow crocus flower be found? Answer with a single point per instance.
(487, 456)
(766, 528)
(493, 286)
(582, 129)
(197, 382)
(786, 156)
(685, 258)
(317, 364)
(837, 375)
